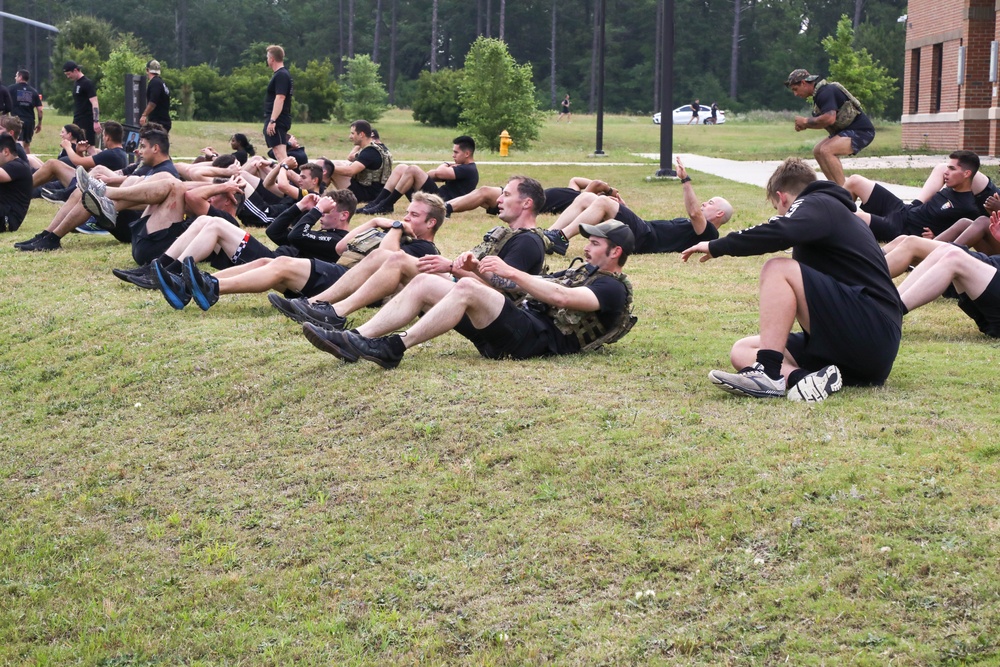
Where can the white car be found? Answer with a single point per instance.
(683, 114)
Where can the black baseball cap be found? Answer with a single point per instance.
(70, 66)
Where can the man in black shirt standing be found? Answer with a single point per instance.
(836, 284)
(27, 102)
(157, 98)
(86, 110)
(278, 104)
(836, 111)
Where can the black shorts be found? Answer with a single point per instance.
(848, 329)
(322, 276)
(87, 125)
(147, 247)
(365, 193)
(514, 334)
(123, 225)
(558, 200)
(280, 136)
(985, 310)
(888, 213)
(641, 230)
(859, 138)
(27, 132)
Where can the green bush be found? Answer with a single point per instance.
(363, 93)
(244, 93)
(88, 42)
(856, 70)
(497, 94)
(122, 61)
(436, 102)
(316, 92)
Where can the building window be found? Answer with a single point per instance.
(936, 67)
(914, 81)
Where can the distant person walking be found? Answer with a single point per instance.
(838, 112)
(695, 108)
(27, 102)
(157, 98)
(278, 104)
(715, 112)
(564, 110)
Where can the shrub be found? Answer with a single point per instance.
(497, 94)
(437, 99)
(363, 93)
(316, 93)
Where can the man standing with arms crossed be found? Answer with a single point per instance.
(278, 104)
(86, 110)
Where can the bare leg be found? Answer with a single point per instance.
(908, 250)
(952, 233)
(860, 187)
(356, 277)
(234, 271)
(397, 270)
(602, 208)
(828, 152)
(53, 170)
(216, 234)
(283, 273)
(978, 236)
(170, 209)
(578, 206)
(945, 266)
(484, 197)
(280, 152)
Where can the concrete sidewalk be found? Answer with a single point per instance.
(757, 172)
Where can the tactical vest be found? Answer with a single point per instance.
(586, 326)
(362, 244)
(847, 112)
(380, 175)
(495, 239)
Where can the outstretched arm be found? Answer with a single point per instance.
(691, 203)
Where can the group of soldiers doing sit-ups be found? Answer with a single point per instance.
(837, 284)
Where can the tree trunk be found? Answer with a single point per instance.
(340, 37)
(181, 32)
(734, 59)
(434, 36)
(593, 60)
(350, 28)
(392, 54)
(479, 17)
(503, 13)
(378, 31)
(858, 4)
(552, 51)
(489, 16)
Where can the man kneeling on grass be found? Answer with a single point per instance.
(836, 284)
(572, 311)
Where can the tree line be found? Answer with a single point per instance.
(736, 52)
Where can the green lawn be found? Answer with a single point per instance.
(207, 488)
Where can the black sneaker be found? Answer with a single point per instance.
(21, 244)
(331, 342)
(377, 208)
(558, 241)
(375, 350)
(47, 241)
(320, 313)
(204, 286)
(55, 195)
(287, 306)
(141, 277)
(174, 290)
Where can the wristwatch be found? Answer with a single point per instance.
(396, 224)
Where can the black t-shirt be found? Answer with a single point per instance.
(826, 235)
(675, 235)
(83, 111)
(6, 103)
(981, 197)
(830, 98)
(158, 93)
(280, 84)
(419, 248)
(943, 210)
(25, 99)
(112, 158)
(611, 295)
(465, 181)
(165, 166)
(218, 213)
(370, 157)
(15, 196)
(525, 251)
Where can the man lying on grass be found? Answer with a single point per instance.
(572, 311)
(836, 284)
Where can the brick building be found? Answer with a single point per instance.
(949, 101)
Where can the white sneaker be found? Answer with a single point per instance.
(751, 381)
(817, 386)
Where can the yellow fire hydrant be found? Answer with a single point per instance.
(505, 143)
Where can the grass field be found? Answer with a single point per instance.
(207, 488)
